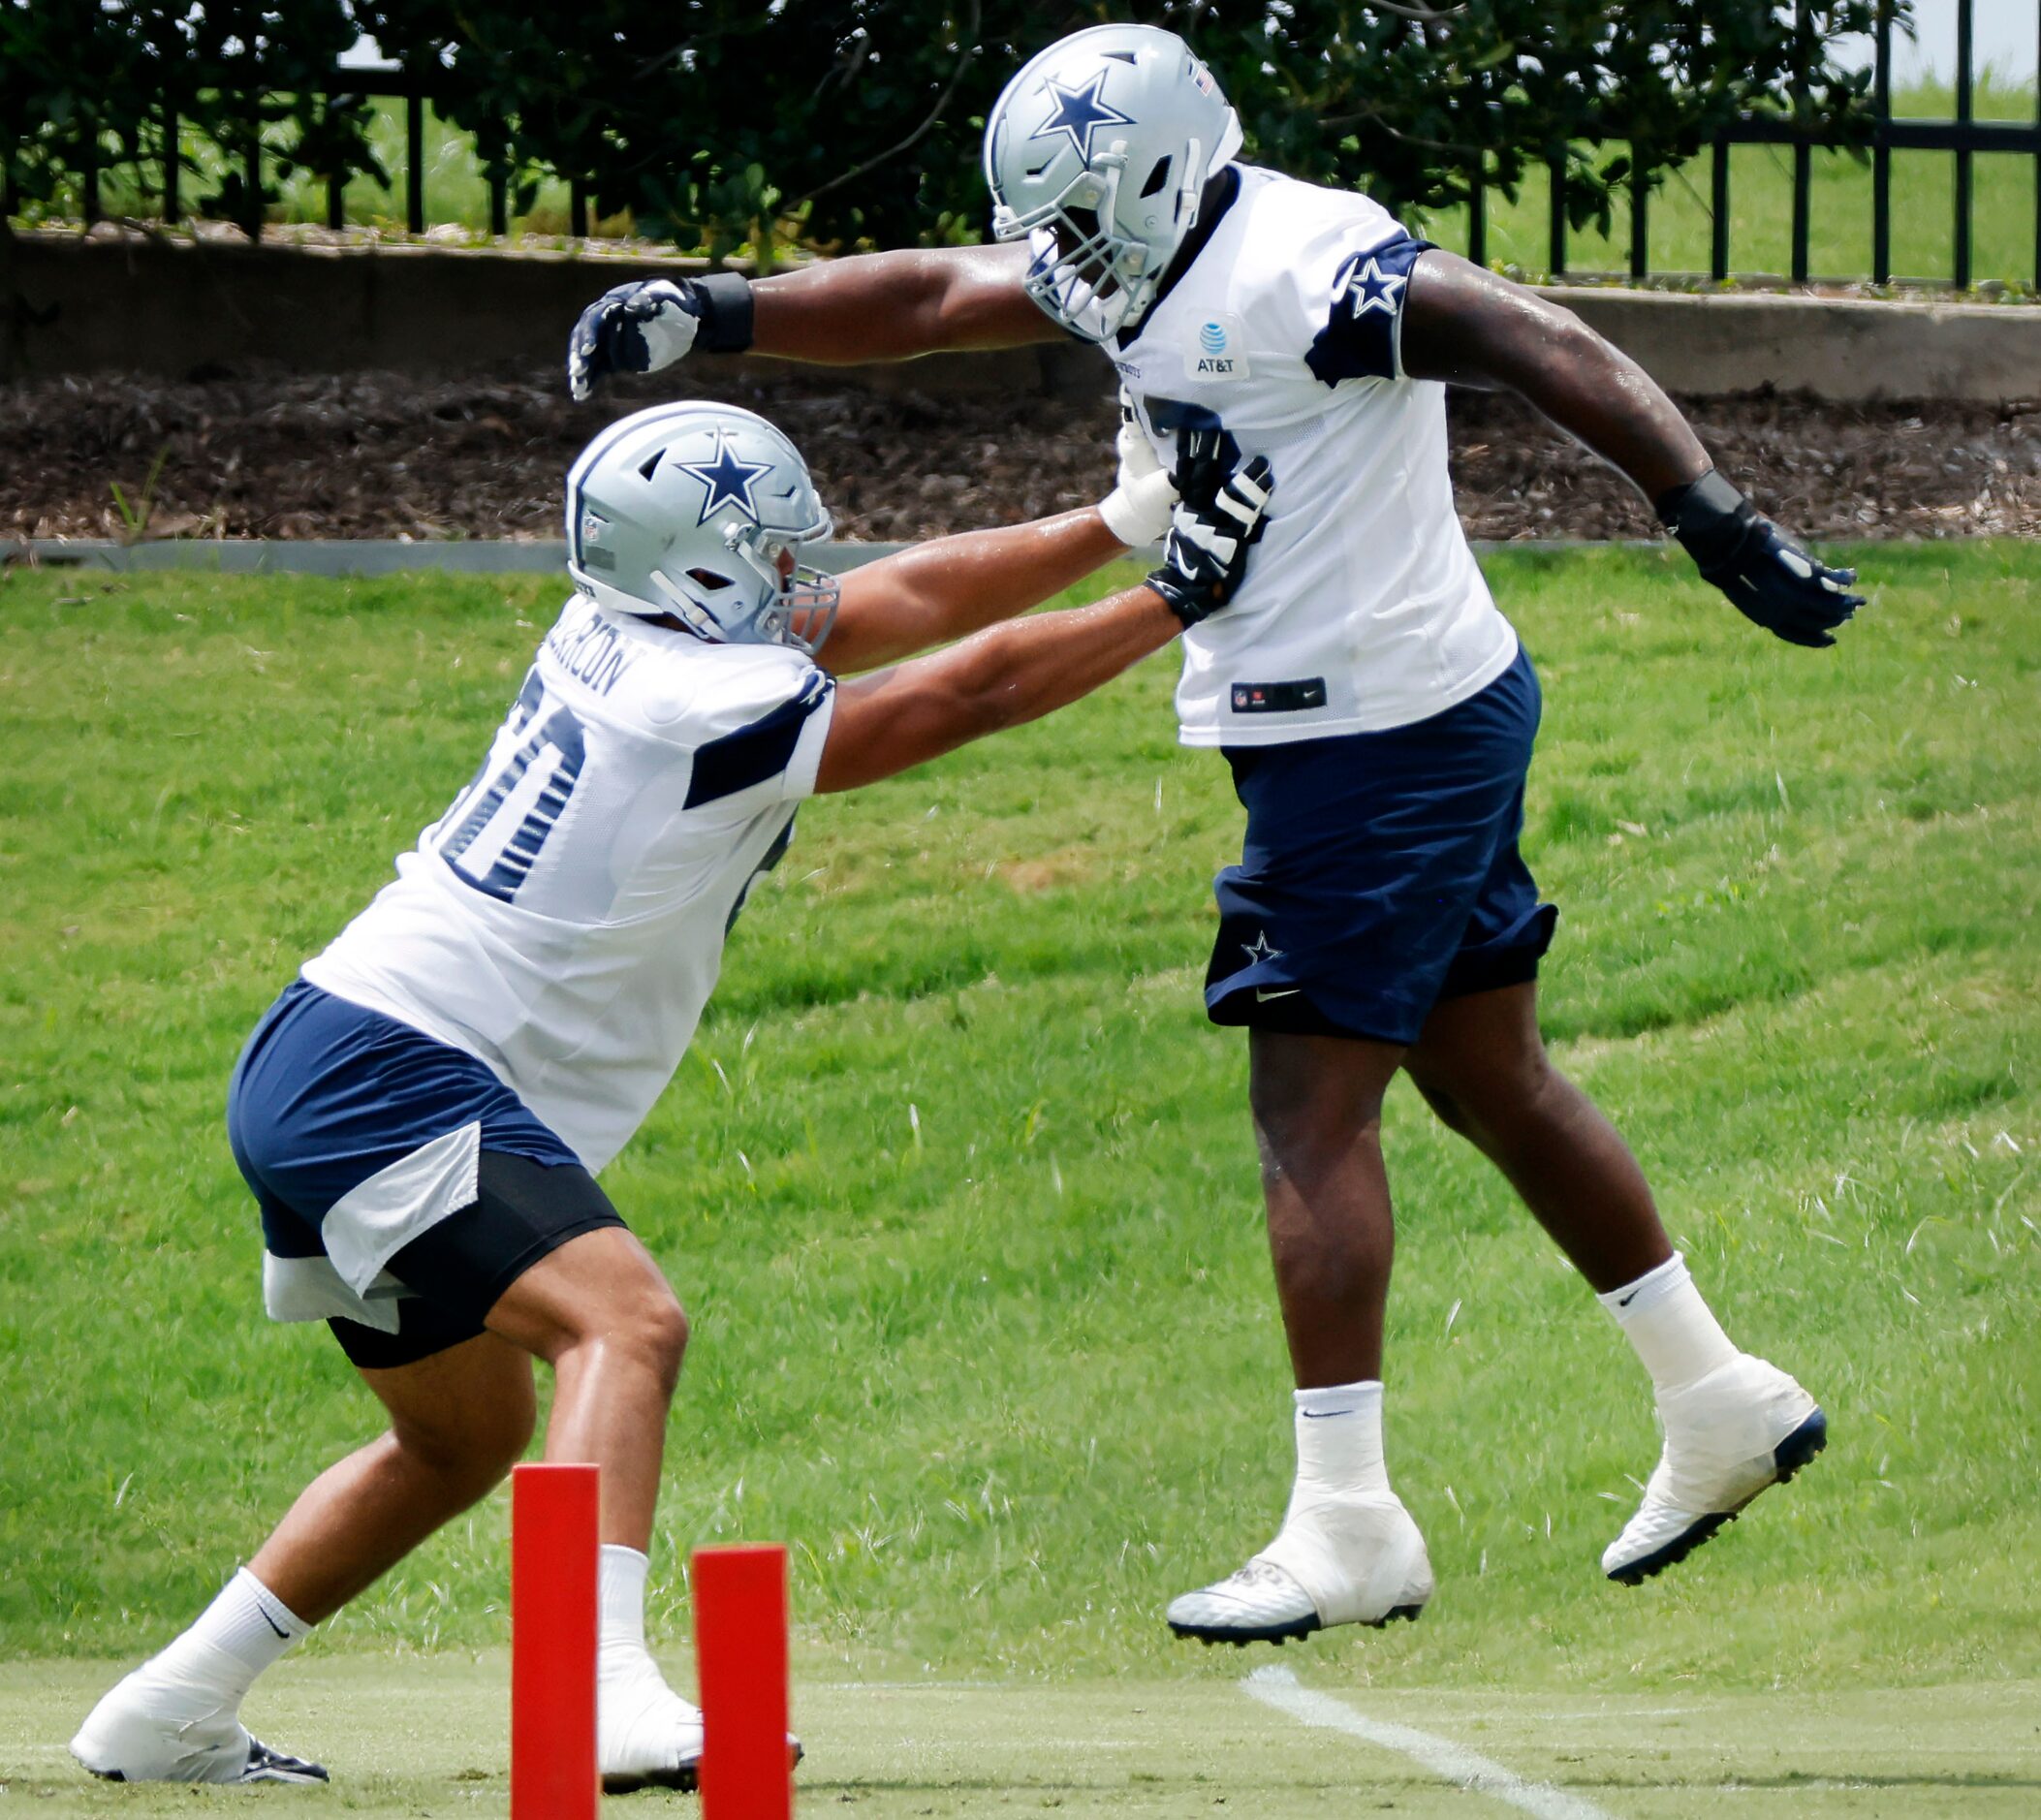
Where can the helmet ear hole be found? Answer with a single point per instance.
(710, 579)
(1157, 177)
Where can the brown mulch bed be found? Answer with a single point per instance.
(381, 454)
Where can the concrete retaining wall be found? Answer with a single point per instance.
(136, 303)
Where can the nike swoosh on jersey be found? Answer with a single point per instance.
(1262, 999)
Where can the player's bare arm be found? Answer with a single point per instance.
(843, 312)
(893, 306)
(1021, 670)
(1470, 326)
(946, 590)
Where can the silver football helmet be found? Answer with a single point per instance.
(700, 511)
(1097, 154)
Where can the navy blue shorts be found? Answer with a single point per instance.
(403, 1187)
(1380, 872)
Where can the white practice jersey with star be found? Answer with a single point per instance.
(563, 922)
(1362, 608)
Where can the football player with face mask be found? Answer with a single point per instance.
(1378, 714)
(423, 1114)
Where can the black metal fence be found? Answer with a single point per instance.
(1965, 136)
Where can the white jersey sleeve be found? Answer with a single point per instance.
(1363, 607)
(564, 920)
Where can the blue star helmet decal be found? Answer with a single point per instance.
(729, 479)
(1080, 112)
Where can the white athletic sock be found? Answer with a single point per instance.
(1339, 1444)
(620, 1579)
(641, 1723)
(1663, 1316)
(236, 1637)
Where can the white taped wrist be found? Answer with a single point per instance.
(1136, 511)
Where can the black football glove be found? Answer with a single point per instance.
(1206, 552)
(1205, 460)
(1769, 580)
(641, 327)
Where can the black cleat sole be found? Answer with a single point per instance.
(1280, 1634)
(678, 1781)
(681, 1782)
(1788, 1456)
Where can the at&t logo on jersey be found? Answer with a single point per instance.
(1217, 351)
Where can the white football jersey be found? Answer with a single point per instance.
(1363, 607)
(563, 922)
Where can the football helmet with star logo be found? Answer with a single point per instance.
(700, 511)
(1097, 155)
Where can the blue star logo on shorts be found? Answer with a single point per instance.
(729, 479)
(1369, 288)
(1259, 949)
(1080, 112)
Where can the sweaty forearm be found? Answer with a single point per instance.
(1028, 668)
(951, 586)
(891, 307)
(1469, 327)
(998, 678)
(1597, 394)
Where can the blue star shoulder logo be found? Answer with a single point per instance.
(1080, 112)
(728, 479)
(1368, 287)
(1260, 950)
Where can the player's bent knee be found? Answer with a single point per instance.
(473, 1456)
(654, 1327)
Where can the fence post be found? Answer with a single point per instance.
(414, 153)
(1965, 45)
(1802, 150)
(1556, 259)
(88, 175)
(1477, 215)
(578, 209)
(173, 206)
(1881, 151)
(1718, 205)
(499, 206)
(2037, 149)
(252, 169)
(1640, 218)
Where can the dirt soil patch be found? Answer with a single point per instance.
(380, 454)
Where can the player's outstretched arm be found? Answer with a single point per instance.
(951, 586)
(873, 307)
(891, 307)
(1027, 668)
(1470, 326)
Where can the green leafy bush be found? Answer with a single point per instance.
(857, 123)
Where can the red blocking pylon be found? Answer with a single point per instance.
(740, 1656)
(555, 1551)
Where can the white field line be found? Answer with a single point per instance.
(1279, 1688)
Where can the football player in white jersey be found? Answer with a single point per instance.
(423, 1114)
(1377, 712)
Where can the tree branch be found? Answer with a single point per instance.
(969, 39)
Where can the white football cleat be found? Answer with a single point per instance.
(153, 1729)
(647, 1737)
(1729, 1435)
(1350, 1562)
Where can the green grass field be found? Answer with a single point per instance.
(958, 1189)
